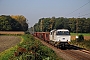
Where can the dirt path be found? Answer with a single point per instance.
(8, 41)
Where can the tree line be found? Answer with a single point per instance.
(13, 23)
(80, 25)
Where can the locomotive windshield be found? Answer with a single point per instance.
(62, 33)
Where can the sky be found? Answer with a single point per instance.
(33, 10)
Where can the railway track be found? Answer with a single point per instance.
(71, 53)
(77, 54)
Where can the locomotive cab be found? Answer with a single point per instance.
(63, 35)
(60, 37)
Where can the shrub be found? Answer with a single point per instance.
(31, 49)
(80, 38)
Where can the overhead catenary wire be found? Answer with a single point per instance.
(85, 14)
(79, 16)
(78, 8)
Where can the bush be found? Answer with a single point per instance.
(80, 38)
(31, 49)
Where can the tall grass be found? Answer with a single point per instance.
(84, 34)
(84, 44)
(29, 49)
(33, 49)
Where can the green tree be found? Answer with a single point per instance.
(7, 23)
(4, 23)
(22, 20)
(80, 25)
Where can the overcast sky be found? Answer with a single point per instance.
(33, 10)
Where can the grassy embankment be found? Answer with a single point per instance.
(83, 44)
(30, 49)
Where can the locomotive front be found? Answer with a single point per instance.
(63, 35)
(60, 37)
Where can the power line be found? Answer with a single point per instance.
(78, 8)
(81, 12)
(85, 10)
(85, 14)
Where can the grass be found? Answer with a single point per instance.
(29, 48)
(35, 50)
(84, 34)
(84, 44)
(7, 53)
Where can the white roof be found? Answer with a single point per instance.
(52, 30)
(62, 30)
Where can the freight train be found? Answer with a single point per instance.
(59, 38)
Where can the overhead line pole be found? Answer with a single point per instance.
(77, 27)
